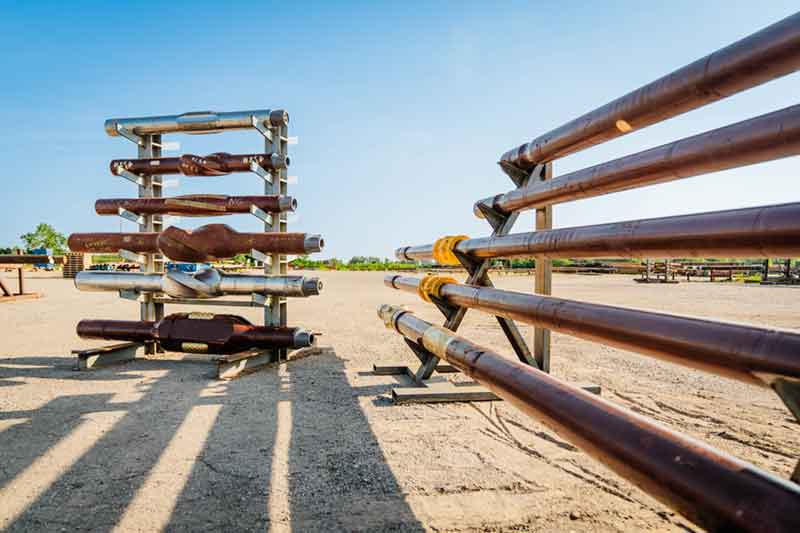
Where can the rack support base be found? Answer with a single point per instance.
(114, 354)
(439, 390)
(240, 364)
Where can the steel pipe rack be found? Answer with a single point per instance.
(710, 488)
(152, 287)
(714, 491)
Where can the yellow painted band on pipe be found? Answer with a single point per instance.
(435, 340)
(432, 285)
(443, 249)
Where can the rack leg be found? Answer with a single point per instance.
(543, 281)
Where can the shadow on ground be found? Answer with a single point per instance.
(183, 452)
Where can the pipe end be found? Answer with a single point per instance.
(303, 338)
(287, 203)
(313, 243)
(312, 286)
(110, 126)
(279, 117)
(400, 254)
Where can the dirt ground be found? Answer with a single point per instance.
(317, 445)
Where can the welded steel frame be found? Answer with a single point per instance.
(152, 304)
(430, 389)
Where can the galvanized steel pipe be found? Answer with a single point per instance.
(197, 122)
(208, 283)
(763, 56)
(712, 489)
(765, 138)
(195, 205)
(752, 354)
(206, 243)
(768, 231)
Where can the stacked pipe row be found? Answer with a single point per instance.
(710, 488)
(221, 334)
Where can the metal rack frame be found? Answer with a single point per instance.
(437, 389)
(276, 140)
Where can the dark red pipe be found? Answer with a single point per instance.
(714, 490)
(185, 332)
(217, 164)
(763, 56)
(196, 205)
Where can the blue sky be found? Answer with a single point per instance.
(401, 108)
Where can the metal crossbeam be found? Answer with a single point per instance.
(478, 275)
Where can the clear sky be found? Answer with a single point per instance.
(401, 108)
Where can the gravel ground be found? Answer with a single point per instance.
(316, 444)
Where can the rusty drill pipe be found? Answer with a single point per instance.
(207, 243)
(195, 205)
(768, 231)
(746, 353)
(198, 333)
(28, 259)
(197, 122)
(217, 164)
(761, 57)
(765, 138)
(208, 283)
(712, 489)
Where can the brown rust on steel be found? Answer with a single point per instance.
(763, 56)
(712, 489)
(223, 334)
(218, 241)
(145, 242)
(207, 243)
(765, 138)
(748, 353)
(217, 164)
(194, 205)
(768, 231)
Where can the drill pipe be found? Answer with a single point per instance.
(29, 259)
(747, 353)
(198, 333)
(712, 489)
(761, 57)
(207, 243)
(208, 283)
(198, 122)
(767, 231)
(195, 205)
(765, 138)
(217, 164)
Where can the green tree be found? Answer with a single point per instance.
(45, 236)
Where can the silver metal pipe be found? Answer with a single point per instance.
(768, 231)
(208, 283)
(197, 122)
